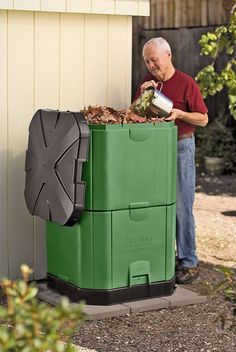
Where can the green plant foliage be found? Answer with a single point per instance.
(223, 39)
(28, 325)
(217, 140)
(227, 287)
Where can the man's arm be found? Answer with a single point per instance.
(194, 118)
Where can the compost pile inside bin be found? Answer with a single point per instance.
(107, 115)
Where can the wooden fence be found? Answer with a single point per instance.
(186, 13)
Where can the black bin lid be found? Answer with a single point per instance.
(57, 147)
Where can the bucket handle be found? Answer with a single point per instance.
(161, 83)
(153, 88)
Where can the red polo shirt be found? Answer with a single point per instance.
(185, 94)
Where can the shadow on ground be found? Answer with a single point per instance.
(229, 213)
(209, 274)
(216, 185)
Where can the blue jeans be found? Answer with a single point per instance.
(185, 226)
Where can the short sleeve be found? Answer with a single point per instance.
(194, 99)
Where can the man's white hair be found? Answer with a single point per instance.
(160, 43)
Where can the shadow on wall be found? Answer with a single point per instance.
(18, 240)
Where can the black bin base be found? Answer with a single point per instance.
(111, 296)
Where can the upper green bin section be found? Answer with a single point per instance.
(131, 166)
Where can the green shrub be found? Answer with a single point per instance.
(29, 325)
(222, 39)
(217, 140)
(227, 288)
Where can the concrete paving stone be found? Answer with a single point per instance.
(146, 305)
(48, 296)
(183, 297)
(92, 311)
(101, 312)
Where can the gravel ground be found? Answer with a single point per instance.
(193, 328)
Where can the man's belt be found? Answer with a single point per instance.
(186, 135)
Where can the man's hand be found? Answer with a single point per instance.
(147, 84)
(175, 114)
(194, 118)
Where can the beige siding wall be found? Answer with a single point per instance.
(57, 61)
(111, 7)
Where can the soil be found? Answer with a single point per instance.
(195, 328)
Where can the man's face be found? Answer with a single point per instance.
(158, 62)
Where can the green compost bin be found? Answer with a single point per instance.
(123, 248)
(130, 166)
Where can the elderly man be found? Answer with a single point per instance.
(189, 110)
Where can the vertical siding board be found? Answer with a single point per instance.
(20, 109)
(95, 59)
(46, 60)
(136, 51)
(40, 261)
(3, 145)
(79, 6)
(128, 59)
(71, 61)
(47, 78)
(54, 61)
(117, 58)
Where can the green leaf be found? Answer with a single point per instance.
(32, 292)
(60, 346)
(211, 36)
(70, 348)
(4, 334)
(3, 312)
(12, 292)
(22, 287)
(230, 50)
(20, 329)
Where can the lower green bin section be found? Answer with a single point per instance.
(110, 253)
